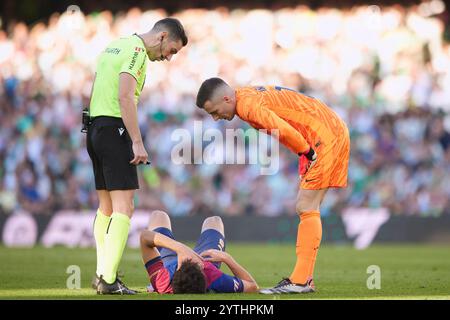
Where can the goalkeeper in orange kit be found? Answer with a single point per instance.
(308, 128)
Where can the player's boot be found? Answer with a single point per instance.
(117, 287)
(286, 286)
(95, 281)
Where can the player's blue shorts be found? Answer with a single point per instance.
(209, 239)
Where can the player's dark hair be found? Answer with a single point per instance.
(189, 279)
(173, 27)
(207, 90)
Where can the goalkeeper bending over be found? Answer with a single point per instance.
(175, 268)
(308, 128)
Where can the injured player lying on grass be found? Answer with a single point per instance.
(173, 267)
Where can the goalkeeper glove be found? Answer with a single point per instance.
(307, 160)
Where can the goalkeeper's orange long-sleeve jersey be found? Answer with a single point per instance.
(302, 122)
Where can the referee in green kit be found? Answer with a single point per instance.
(114, 141)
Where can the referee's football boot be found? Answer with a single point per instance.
(117, 287)
(95, 281)
(286, 286)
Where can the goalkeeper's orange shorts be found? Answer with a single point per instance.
(331, 167)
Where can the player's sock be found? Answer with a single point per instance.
(313, 263)
(310, 279)
(308, 241)
(115, 240)
(100, 225)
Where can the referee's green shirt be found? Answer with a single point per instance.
(122, 55)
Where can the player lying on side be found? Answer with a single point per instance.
(173, 267)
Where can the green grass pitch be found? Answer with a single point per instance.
(407, 272)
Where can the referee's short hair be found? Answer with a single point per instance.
(173, 27)
(207, 90)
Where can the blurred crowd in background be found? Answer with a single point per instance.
(385, 70)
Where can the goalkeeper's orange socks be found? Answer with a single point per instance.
(100, 225)
(309, 236)
(115, 240)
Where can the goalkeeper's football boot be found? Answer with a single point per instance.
(310, 282)
(286, 286)
(117, 287)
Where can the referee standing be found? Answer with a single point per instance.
(114, 141)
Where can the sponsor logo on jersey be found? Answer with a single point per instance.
(112, 50)
(133, 61)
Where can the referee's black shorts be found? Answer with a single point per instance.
(110, 149)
